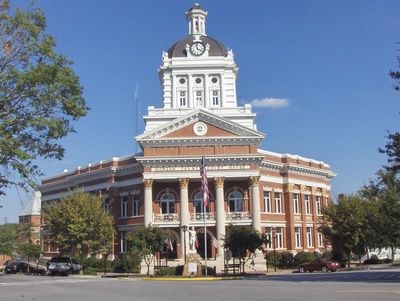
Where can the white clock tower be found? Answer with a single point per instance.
(198, 73)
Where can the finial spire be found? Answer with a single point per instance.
(196, 16)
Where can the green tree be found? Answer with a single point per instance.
(396, 76)
(79, 225)
(40, 96)
(145, 242)
(344, 224)
(29, 251)
(243, 241)
(8, 239)
(390, 213)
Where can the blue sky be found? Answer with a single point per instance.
(327, 60)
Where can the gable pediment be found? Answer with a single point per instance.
(200, 125)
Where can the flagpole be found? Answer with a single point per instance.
(204, 188)
(205, 239)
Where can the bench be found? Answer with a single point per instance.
(231, 267)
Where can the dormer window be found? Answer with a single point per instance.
(215, 98)
(199, 98)
(182, 98)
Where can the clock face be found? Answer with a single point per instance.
(197, 48)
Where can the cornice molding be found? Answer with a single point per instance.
(197, 141)
(199, 115)
(303, 170)
(195, 161)
(76, 180)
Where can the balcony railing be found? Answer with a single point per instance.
(200, 216)
(166, 218)
(238, 216)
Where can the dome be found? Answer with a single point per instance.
(179, 48)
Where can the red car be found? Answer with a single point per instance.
(319, 265)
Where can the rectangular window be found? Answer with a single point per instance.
(268, 232)
(318, 205)
(182, 98)
(307, 204)
(278, 202)
(199, 98)
(309, 237)
(215, 98)
(275, 237)
(124, 206)
(124, 247)
(279, 238)
(320, 239)
(135, 205)
(296, 207)
(267, 201)
(297, 236)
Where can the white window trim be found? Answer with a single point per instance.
(309, 234)
(278, 209)
(267, 202)
(307, 204)
(124, 209)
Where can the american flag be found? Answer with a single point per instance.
(204, 182)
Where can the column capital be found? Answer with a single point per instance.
(288, 187)
(219, 182)
(305, 189)
(184, 183)
(254, 180)
(148, 183)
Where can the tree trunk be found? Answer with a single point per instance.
(348, 259)
(392, 248)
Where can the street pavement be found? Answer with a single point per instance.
(383, 285)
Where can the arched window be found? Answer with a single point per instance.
(235, 200)
(167, 201)
(198, 203)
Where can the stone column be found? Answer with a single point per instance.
(148, 201)
(255, 202)
(220, 214)
(184, 212)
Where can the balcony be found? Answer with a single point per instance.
(209, 216)
(166, 218)
(239, 217)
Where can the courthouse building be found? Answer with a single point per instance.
(199, 116)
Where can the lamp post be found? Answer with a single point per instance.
(274, 245)
(184, 229)
(105, 255)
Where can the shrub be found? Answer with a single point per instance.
(122, 263)
(302, 257)
(372, 260)
(271, 260)
(167, 271)
(90, 271)
(179, 270)
(286, 260)
(327, 255)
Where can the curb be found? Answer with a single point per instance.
(193, 279)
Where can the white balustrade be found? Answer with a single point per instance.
(165, 218)
(200, 216)
(238, 216)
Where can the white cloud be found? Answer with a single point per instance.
(270, 102)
